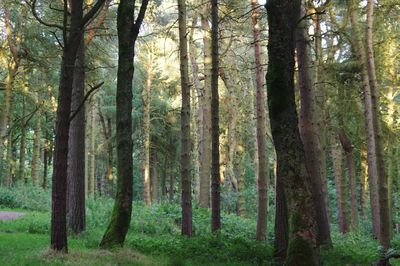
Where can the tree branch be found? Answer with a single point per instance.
(92, 89)
(33, 8)
(140, 17)
(92, 12)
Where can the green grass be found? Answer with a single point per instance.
(154, 238)
(32, 249)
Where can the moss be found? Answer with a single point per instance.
(300, 252)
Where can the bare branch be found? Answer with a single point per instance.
(92, 89)
(140, 17)
(34, 13)
(91, 12)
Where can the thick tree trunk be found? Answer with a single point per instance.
(215, 161)
(186, 184)
(262, 174)
(309, 127)
(382, 181)
(281, 224)
(292, 171)
(76, 157)
(205, 119)
(128, 30)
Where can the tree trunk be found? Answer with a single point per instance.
(35, 165)
(76, 158)
(382, 181)
(215, 165)
(308, 127)
(348, 149)
(205, 119)
(128, 30)
(262, 174)
(292, 171)
(337, 159)
(145, 165)
(154, 176)
(281, 224)
(369, 124)
(59, 178)
(92, 150)
(186, 184)
(22, 147)
(364, 182)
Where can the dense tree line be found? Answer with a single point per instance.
(285, 109)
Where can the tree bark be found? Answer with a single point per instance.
(186, 184)
(128, 31)
(292, 171)
(145, 165)
(154, 176)
(309, 127)
(382, 181)
(205, 120)
(369, 124)
(76, 215)
(215, 160)
(22, 147)
(262, 174)
(36, 163)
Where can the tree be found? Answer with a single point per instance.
(72, 38)
(282, 18)
(128, 31)
(309, 126)
(185, 124)
(215, 169)
(262, 173)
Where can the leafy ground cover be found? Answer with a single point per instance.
(154, 239)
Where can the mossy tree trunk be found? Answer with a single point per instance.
(292, 171)
(128, 31)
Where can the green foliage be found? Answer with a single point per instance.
(25, 196)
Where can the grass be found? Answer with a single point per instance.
(154, 238)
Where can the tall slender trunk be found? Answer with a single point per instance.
(145, 164)
(348, 149)
(205, 119)
(292, 171)
(76, 150)
(308, 127)
(92, 151)
(197, 109)
(337, 158)
(262, 174)
(22, 147)
(369, 123)
(215, 160)
(320, 101)
(128, 31)
(154, 176)
(364, 182)
(36, 163)
(186, 184)
(382, 181)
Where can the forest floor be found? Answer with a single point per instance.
(154, 237)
